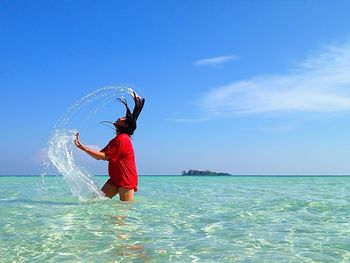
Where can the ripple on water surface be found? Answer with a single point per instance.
(179, 219)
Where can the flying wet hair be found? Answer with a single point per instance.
(131, 118)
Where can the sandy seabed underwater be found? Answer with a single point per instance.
(179, 219)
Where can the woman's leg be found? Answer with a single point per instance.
(126, 194)
(109, 189)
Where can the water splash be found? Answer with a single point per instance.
(109, 92)
(60, 152)
(61, 143)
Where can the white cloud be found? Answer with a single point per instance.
(215, 61)
(320, 83)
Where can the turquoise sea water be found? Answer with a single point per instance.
(179, 219)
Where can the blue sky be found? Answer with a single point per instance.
(246, 87)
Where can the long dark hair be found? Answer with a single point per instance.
(131, 118)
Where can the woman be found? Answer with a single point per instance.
(119, 153)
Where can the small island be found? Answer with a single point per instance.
(203, 173)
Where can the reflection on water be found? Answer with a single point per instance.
(131, 249)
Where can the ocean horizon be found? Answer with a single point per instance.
(232, 175)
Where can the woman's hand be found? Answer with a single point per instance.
(77, 142)
(93, 153)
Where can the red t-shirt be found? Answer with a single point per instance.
(121, 162)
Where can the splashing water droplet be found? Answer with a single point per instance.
(61, 143)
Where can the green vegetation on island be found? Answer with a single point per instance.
(203, 173)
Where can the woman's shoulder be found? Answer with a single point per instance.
(122, 137)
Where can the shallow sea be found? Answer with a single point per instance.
(179, 219)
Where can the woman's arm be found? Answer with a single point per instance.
(93, 153)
